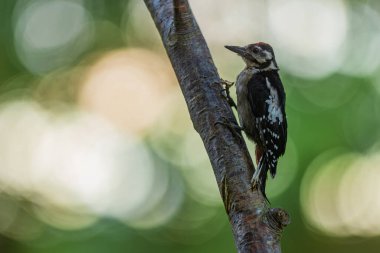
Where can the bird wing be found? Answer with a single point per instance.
(267, 100)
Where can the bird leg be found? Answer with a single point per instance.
(232, 126)
(259, 178)
(259, 154)
(226, 92)
(255, 181)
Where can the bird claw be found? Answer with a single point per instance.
(255, 180)
(226, 92)
(231, 125)
(255, 184)
(227, 84)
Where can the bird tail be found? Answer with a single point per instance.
(265, 164)
(262, 169)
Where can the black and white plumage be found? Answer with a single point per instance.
(261, 107)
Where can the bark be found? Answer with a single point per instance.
(256, 227)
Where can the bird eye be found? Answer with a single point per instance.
(255, 50)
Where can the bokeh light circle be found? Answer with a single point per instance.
(340, 195)
(198, 171)
(130, 88)
(76, 167)
(362, 47)
(308, 35)
(51, 34)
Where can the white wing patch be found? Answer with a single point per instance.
(274, 109)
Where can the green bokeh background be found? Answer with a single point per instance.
(330, 115)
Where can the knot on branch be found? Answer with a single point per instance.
(278, 219)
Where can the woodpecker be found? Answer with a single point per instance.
(261, 108)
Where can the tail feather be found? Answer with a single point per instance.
(266, 164)
(263, 170)
(272, 167)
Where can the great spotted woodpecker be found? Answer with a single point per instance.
(261, 108)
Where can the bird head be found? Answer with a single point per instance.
(259, 55)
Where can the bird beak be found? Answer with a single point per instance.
(239, 50)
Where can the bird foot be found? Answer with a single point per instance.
(257, 183)
(226, 92)
(234, 127)
(255, 180)
(226, 84)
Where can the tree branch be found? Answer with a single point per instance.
(256, 227)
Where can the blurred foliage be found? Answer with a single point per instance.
(98, 153)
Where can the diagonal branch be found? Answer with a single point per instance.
(256, 227)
